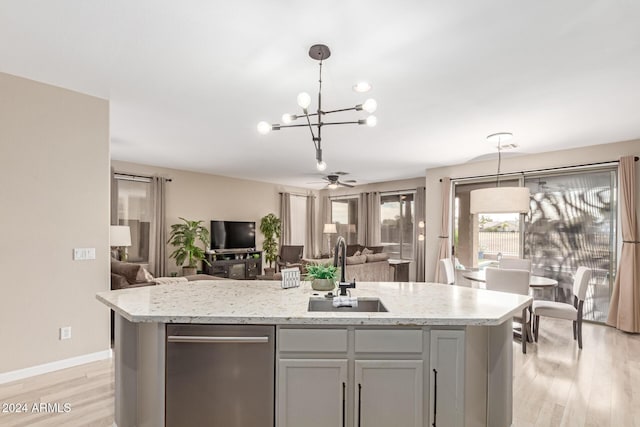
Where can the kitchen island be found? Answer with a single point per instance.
(441, 355)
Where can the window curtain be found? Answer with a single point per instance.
(362, 218)
(114, 198)
(624, 311)
(373, 219)
(325, 207)
(443, 246)
(158, 232)
(310, 235)
(420, 206)
(285, 219)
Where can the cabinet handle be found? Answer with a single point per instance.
(344, 405)
(216, 340)
(359, 404)
(435, 397)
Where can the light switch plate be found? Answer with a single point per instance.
(81, 254)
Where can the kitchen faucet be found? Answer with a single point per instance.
(341, 249)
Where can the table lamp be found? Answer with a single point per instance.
(330, 229)
(119, 239)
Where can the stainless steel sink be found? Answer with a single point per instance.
(364, 305)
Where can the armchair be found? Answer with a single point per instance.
(289, 254)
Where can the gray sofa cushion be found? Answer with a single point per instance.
(377, 257)
(134, 273)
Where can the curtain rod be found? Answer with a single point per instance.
(636, 158)
(134, 177)
(390, 192)
(297, 194)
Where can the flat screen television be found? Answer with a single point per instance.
(233, 235)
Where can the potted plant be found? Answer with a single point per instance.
(270, 227)
(185, 238)
(323, 276)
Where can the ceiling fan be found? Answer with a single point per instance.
(334, 181)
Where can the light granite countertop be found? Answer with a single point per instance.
(265, 302)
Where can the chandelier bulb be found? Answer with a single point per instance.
(288, 118)
(371, 121)
(264, 128)
(370, 105)
(362, 87)
(321, 165)
(304, 100)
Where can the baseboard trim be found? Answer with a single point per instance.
(32, 371)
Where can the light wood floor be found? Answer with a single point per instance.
(555, 384)
(89, 389)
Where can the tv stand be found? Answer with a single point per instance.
(238, 264)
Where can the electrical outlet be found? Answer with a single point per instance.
(65, 333)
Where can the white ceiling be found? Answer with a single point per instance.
(189, 80)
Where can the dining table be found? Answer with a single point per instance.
(536, 282)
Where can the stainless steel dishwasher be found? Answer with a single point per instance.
(220, 375)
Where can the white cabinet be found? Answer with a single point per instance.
(388, 393)
(312, 392)
(447, 378)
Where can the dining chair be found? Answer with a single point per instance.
(515, 264)
(449, 272)
(561, 310)
(516, 282)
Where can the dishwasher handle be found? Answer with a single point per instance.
(216, 340)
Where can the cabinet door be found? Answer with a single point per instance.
(446, 370)
(312, 392)
(388, 393)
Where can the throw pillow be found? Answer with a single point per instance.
(366, 251)
(358, 253)
(377, 257)
(148, 277)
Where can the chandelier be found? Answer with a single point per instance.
(320, 52)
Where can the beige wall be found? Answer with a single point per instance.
(592, 154)
(54, 193)
(199, 196)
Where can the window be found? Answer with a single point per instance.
(397, 225)
(344, 213)
(298, 219)
(572, 223)
(134, 210)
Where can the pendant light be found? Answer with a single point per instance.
(500, 199)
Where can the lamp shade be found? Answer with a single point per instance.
(119, 235)
(500, 200)
(330, 229)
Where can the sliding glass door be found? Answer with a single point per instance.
(479, 240)
(572, 223)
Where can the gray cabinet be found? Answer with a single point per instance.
(447, 378)
(312, 392)
(388, 393)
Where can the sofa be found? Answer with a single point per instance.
(126, 275)
(362, 268)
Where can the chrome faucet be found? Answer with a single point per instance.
(341, 250)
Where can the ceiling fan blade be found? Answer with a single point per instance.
(351, 181)
(344, 184)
